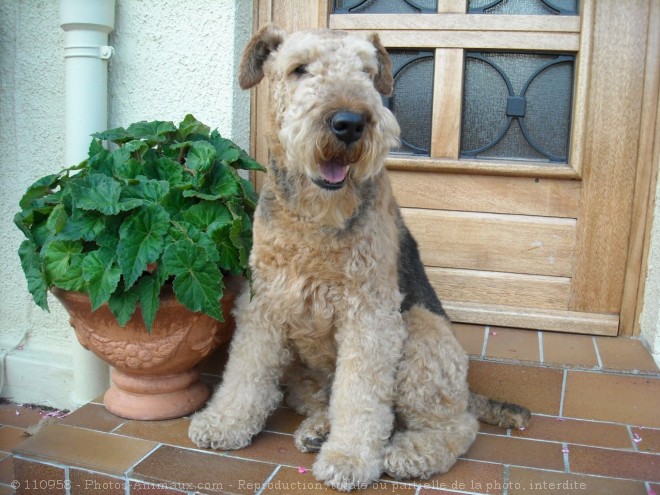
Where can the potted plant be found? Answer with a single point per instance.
(140, 242)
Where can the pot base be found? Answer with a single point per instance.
(155, 397)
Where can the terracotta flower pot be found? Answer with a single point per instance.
(154, 375)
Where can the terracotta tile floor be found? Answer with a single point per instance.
(596, 430)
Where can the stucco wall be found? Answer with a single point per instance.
(171, 58)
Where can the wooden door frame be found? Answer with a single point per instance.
(646, 147)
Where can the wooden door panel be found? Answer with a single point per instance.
(514, 195)
(506, 289)
(491, 242)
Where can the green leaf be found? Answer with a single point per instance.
(164, 169)
(101, 162)
(147, 190)
(86, 226)
(242, 242)
(24, 221)
(248, 163)
(57, 219)
(222, 182)
(250, 196)
(153, 132)
(102, 276)
(141, 241)
(191, 193)
(232, 154)
(185, 231)
(136, 145)
(190, 126)
(206, 213)
(101, 193)
(129, 169)
(57, 257)
(39, 189)
(120, 156)
(148, 290)
(117, 135)
(198, 282)
(200, 156)
(123, 304)
(72, 279)
(230, 257)
(31, 264)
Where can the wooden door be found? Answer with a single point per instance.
(546, 228)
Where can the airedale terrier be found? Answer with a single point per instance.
(341, 310)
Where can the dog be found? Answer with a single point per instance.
(341, 310)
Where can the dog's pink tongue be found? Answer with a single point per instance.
(334, 170)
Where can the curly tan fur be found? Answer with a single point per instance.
(342, 311)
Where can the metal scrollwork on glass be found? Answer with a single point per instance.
(385, 6)
(516, 110)
(551, 7)
(412, 98)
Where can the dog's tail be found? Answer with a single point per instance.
(498, 413)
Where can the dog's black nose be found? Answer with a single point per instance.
(347, 126)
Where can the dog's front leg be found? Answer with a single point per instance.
(250, 388)
(360, 411)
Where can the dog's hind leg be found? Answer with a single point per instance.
(434, 426)
(250, 387)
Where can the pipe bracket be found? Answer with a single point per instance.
(106, 52)
(103, 52)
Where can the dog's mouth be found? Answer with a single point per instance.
(333, 174)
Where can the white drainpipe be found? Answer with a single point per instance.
(87, 24)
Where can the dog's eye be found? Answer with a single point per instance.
(300, 70)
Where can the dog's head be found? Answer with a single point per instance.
(328, 120)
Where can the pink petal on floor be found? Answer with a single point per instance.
(522, 428)
(17, 413)
(492, 333)
(636, 438)
(651, 491)
(281, 450)
(565, 450)
(302, 470)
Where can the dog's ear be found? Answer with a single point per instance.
(383, 82)
(261, 45)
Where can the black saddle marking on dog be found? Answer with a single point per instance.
(414, 285)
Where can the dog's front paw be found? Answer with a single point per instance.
(312, 433)
(209, 429)
(345, 471)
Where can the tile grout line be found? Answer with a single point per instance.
(67, 481)
(563, 393)
(114, 430)
(272, 475)
(647, 485)
(485, 345)
(127, 473)
(600, 361)
(632, 438)
(566, 452)
(505, 480)
(541, 356)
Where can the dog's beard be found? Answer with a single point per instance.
(329, 175)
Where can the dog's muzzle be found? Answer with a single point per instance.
(348, 127)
